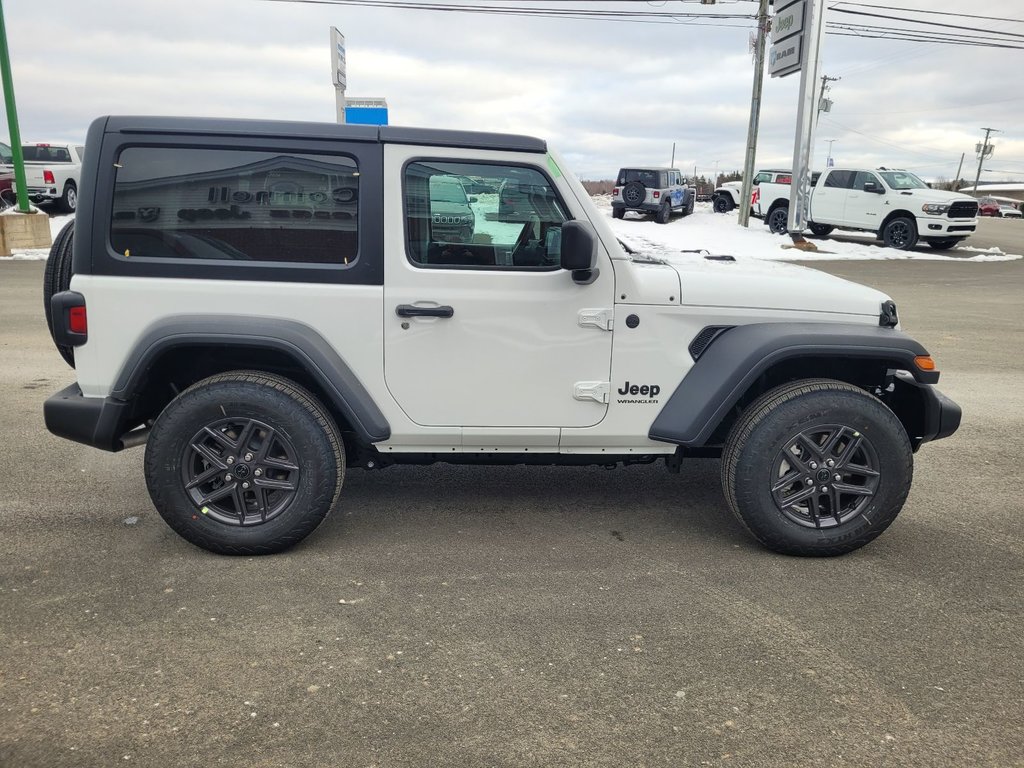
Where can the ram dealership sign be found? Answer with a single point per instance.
(786, 54)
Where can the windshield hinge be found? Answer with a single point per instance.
(597, 318)
(597, 391)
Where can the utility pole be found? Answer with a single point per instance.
(956, 180)
(984, 150)
(825, 104)
(755, 114)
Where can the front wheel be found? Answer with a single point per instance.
(723, 204)
(778, 220)
(244, 463)
(817, 468)
(900, 233)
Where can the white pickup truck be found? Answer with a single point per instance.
(897, 205)
(52, 172)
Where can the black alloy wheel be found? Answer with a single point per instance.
(240, 471)
(900, 233)
(723, 204)
(825, 476)
(778, 220)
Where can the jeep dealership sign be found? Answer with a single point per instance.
(786, 54)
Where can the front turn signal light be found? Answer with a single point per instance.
(924, 362)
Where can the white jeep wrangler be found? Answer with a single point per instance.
(265, 305)
(652, 191)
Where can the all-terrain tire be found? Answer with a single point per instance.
(664, 214)
(723, 204)
(778, 220)
(900, 233)
(56, 279)
(618, 213)
(771, 453)
(821, 230)
(634, 194)
(284, 439)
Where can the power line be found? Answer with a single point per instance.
(928, 23)
(931, 12)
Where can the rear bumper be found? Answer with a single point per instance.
(96, 421)
(652, 207)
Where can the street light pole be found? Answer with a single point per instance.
(12, 118)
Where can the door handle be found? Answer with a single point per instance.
(411, 310)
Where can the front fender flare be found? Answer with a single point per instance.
(730, 365)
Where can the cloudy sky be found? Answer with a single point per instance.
(604, 93)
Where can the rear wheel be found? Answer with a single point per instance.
(900, 233)
(817, 467)
(778, 220)
(618, 213)
(821, 229)
(244, 463)
(664, 214)
(943, 245)
(56, 279)
(69, 200)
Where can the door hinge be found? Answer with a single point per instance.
(597, 318)
(597, 391)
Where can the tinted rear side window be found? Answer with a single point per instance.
(840, 179)
(237, 205)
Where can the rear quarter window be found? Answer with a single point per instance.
(235, 205)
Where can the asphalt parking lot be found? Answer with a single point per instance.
(449, 616)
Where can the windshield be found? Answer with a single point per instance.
(902, 180)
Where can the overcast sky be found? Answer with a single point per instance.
(605, 94)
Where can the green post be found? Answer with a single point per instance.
(12, 118)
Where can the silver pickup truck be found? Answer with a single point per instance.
(51, 173)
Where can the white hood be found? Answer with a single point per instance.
(757, 284)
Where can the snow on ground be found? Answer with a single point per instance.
(719, 233)
(40, 254)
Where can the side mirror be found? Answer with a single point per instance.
(579, 251)
(473, 200)
(871, 186)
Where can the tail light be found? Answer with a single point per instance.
(77, 320)
(48, 177)
(615, 191)
(657, 194)
(755, 195)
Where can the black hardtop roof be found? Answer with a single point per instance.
(388, 134)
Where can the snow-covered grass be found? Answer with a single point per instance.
(40, 254)
(719, 233)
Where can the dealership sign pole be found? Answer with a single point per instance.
(338, 69)
(12, 118)
(797, 33)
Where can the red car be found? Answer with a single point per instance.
(988, 206)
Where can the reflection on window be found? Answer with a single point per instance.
(479, 215)
(226, 204)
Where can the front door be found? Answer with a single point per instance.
(865, 209)
(482, 327)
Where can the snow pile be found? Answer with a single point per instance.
(719, 233)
